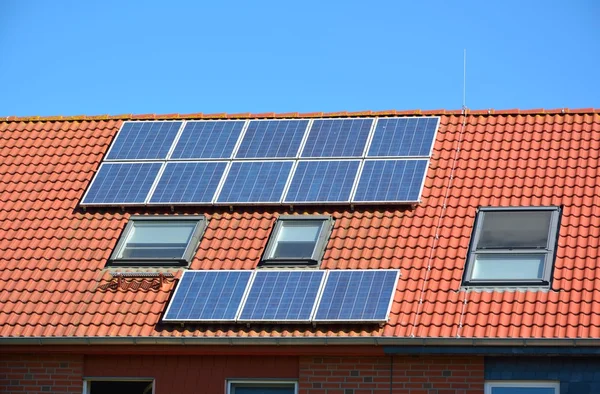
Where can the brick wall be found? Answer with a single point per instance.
(31, 373)
(577, 375)
(409, 375)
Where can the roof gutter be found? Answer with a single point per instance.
(393, 345)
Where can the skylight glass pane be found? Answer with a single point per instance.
(297, 239)
(508, 267)
(515, 229)
(162, 239)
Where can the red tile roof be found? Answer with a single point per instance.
(53, 280)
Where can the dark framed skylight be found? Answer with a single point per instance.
(513, 246)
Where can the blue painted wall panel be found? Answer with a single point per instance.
(577, 375)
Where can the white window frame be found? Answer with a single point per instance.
(192, 246)
(522, 384)
(549, 251)
(320, 244)
(87, 382)
(230, 383)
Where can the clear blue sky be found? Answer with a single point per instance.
(113, 57)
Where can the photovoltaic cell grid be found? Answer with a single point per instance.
(357, 295)
(403, 137)
(144, 140)
(208, 296)
(322, 181)
(208, 140)
(337, 138)
(282, 296)
(122, 183)
(273, 139)
(255, 182)
(188, 182)
(391, 180)
(315, 180)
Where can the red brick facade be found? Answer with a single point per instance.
(405, 374)
(40, 374)
(28, 373)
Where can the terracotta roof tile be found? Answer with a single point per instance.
(53, 254)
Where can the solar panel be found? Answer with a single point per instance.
(122, 183)
(357, 296)
(391, 180)
(256, 182)
(188, 182)
(143, 140)
(208, 140)
(337, 138)
(208, 296)
(277, 296)
(273, 139)
(322, 181)
(403, 137)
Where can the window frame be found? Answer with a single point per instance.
(318, 250)
(231, 383)
(87, 382)
(549, 252)
(188, 254)
(542, 384)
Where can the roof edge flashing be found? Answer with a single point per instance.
(393, 345)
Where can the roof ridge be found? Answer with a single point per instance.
(270, 115)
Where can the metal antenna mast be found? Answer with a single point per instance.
(464, 102)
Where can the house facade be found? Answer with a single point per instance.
(470, 266)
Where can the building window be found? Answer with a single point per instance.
(159, 241)
(118, 386)
(261, 387)
(515, 387)
(298, 240)
(512, 246)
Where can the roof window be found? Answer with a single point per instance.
(159, 241)
(298, 240)
(513, 246)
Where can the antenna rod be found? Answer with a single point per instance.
(464, 104)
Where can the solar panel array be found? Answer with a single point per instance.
(278, 161)
(284, 296)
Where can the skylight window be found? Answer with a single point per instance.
(160, 241)
(513, 246)
(298, 240)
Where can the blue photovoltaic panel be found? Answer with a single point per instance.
(328, 181)
(122, 183)
(357, 295)
(144, 140)
(391, 180)
(403, 137)
(282, 296)
(208, 296)
(208, 140)
(272, 138)
(185, 182)
(337, 138)
(255, 182)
